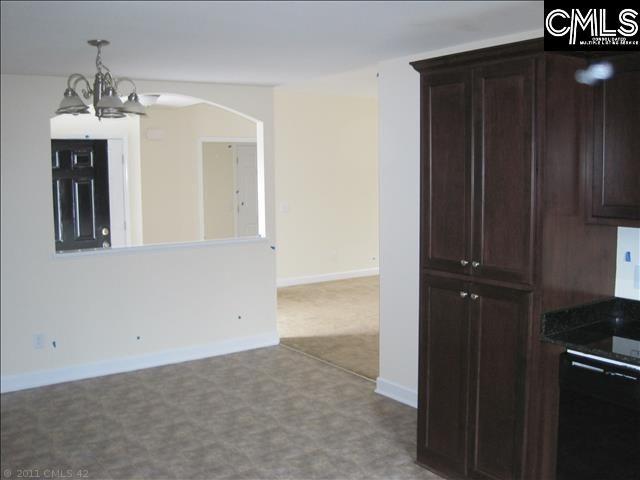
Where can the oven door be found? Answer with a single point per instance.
(599, 423)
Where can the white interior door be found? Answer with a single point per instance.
(247, 190)
(117, 187)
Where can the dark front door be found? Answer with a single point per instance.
(80, 176)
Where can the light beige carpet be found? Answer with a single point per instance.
(335, 321)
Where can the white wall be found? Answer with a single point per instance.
(95, 305)
(628, 272)
(399, 150)
(326, 186)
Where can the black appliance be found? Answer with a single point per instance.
(599, 423)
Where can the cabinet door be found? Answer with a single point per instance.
(503, 178)
(616, 144)
(499, 319)
(443, 375)
(446, 170)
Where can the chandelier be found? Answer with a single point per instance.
(103, 93)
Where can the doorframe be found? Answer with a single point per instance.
(125, 174)
(200, 177)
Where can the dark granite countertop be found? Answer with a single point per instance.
(606, 328)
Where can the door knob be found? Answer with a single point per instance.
(474, 296)
(105, 231)
(463, 294)
(464, 263)
(475, 264)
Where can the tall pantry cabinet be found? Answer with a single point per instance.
(504, 237)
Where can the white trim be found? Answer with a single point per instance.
(21, 381)
(396, 392)
(199, 174)
(157, 247)
(327, 277)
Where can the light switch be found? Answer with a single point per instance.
(284, 207)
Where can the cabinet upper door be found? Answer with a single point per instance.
(503, 97)
(499, 319)
(615, 171)
(446, 170)
(443, 376)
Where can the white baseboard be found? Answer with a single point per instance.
(327, 277)
(22, 381)
(397, 392)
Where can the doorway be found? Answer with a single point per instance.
(228, 189)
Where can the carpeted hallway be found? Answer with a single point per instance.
(335, 321)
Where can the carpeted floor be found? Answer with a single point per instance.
(264, 414)
(335, 321)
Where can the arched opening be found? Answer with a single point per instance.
(187, 171)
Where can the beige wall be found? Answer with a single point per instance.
(171, 196)
(326, 184)
(182, 301)
(218, 181)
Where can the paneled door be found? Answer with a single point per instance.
(79, 170)
(499, 319)
(247, 190)
(446, 171)
(503, 96)
(443, 393)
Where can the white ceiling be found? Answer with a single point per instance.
(266, 43)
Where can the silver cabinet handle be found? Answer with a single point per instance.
(464, 263)
(474, 296)
(475, 264)
(463, 294)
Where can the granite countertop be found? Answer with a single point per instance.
(604, 328)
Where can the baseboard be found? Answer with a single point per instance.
(327, 277)
(22, 381)
(397, 392)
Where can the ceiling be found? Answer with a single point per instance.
(262, 43)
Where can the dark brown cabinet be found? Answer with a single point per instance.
(505, 135)
(447, 169)
(499, 318)
(503, 95)
(615, 167)
(470, 170)
(444, 381)
(474, 339)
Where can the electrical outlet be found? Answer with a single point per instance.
(39, 341)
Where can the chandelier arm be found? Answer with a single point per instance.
(76, 78)
(119, 80)
(109, 78)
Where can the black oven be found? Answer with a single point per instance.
(599, 422)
